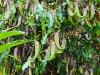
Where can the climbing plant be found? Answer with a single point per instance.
(49, 37)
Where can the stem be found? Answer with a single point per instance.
(30, 71)
(91, 71)
(67, 63)
(86, 72)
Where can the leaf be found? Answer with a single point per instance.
(49, 20)
(12, 44)
(40, 11)
(98, 39)
(42, 66)
(16, 58)
(43, 25)
(26, 65)
(17, 67)
(36, 70)
(4, 35)
(98, 71)
(20, 0)
(31, 21)
(44, 39)
(98, 32)
(3, 55)
(60, 14)
(4, 71)
(50, 30)
(96, 28)
(13, 10)
(64, 3)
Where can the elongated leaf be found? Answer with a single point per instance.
(4, 35)
(12, 44)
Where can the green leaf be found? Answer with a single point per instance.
(12, 44)
(16, 58)
(26, 65)
(13, 10)
(42, 66)
(98, 39)
(95, 28)
(60, 14)
(36, 70)
(20, 0)
(4, 71)
(31, 21)
(40, 11)
(44, 39)
(50, 30)
(49, 20)
(0, 16)
(98, 72)
(17, 67)
(4, 35)
(3, 55)
(43, 25)
(98, 32)
(64, 3)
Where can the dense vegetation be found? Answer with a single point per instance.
(49, 37)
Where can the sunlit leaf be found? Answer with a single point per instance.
(20, 0)
(12, 44)
(31, 21)
(4, 35)
(17, 67)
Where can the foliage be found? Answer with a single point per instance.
(64, 37)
